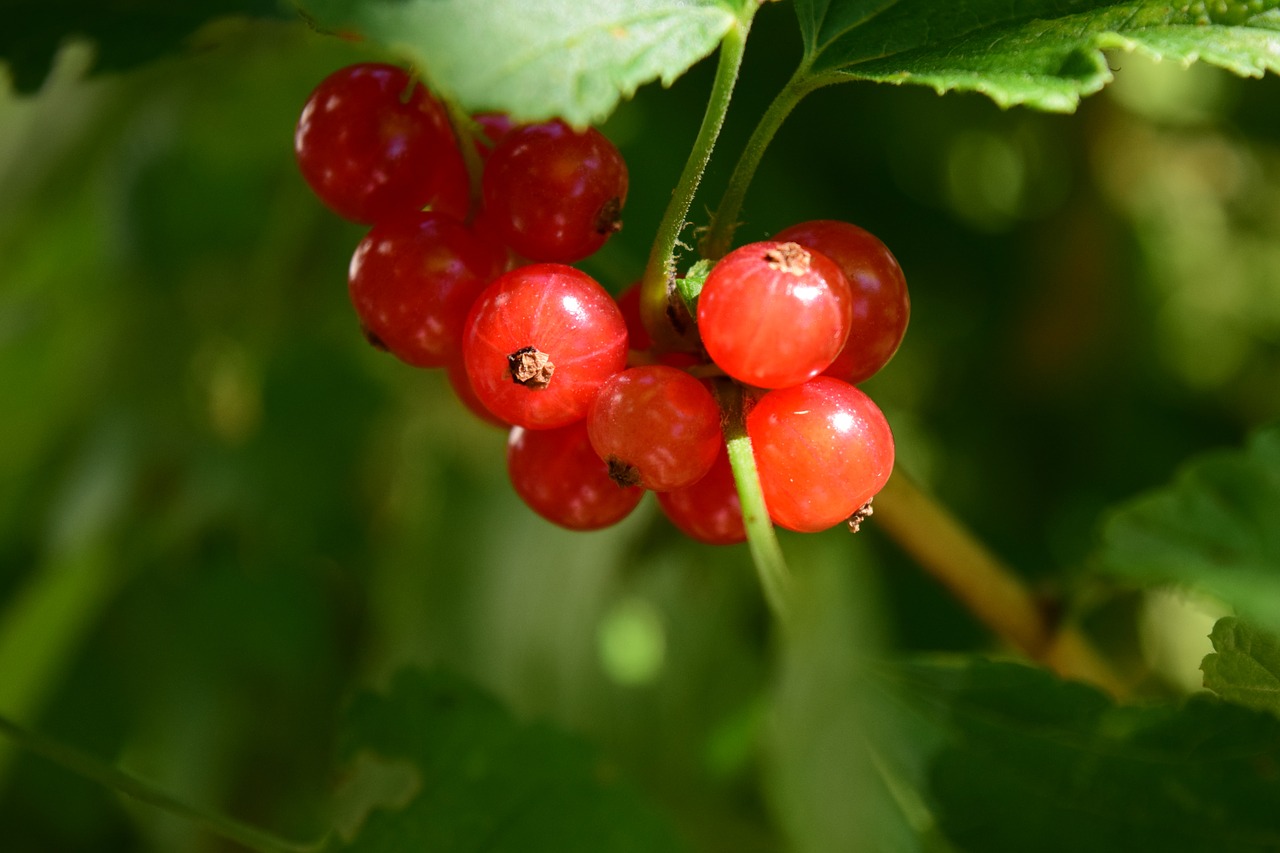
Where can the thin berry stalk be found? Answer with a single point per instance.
(660, 270)
(766, 553)
(718, 239)
(91, 768)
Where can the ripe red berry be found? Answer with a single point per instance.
(372, 143)
(413, 279)
(554, 194)
(640, 341)
(456, 372)
(482, 227)
(774, 314)
(881, 306)
(656, 427)
(709, 510)
(629, 303)
(561, 478)
(823, 449)
(540, 341)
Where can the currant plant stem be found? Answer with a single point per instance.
(719, 237)
(106, 775)
(766, 553)
(942, 546)
(660, 269)
(986, 586)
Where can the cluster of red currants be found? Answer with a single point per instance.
(468, 270)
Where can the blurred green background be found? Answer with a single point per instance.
(221, 512)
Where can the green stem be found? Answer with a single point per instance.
(660, 271)
(991, 590)
(91, 768)
(719, 237)
(766, 553)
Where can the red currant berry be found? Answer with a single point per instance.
(881, 306)
(413, 279)
(561, 478)
(540, 341)
(709, 510)
(637, 334)
(656, 427)
(553, 194)
(642, 343)
(371, 143)
(823, 449)
(774, 314)
(461, 385)
(483, 228)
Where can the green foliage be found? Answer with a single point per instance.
(480, 780)
(690, 285)
(848, 764)
(221, 512)
(540, 58)
(1245, 666)
(1027, 762)
(1213, 528)
(1045, 53)
(126, 33)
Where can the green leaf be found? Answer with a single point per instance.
(1041, 53)
(690, 284)
(1245, 668)
(536, 59)
(125, 33)
(1029, 762)
(1214, 528)
(485, 781)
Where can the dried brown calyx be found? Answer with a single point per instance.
(373, 339)
(864, 512)
(531, 367)
(622, 473)
(789, 258)
(609, 219)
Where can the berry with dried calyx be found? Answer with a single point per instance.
(881, 305)
(552, 193)
(557, 474)
(774, 314)
(823, 450)
(656, 427)
(540, 341)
